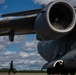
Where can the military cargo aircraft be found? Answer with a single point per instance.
(54, 26)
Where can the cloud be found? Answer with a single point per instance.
(73, 2)
(2, 1)
(22, 60)
(3, 43)
(2, 46)
(42, 1)
(8, 53)
(23, 54)
(30, 45)
(26, 58)
(5, 7)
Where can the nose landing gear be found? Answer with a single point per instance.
(60, 71)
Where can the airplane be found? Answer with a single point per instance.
(54, 26)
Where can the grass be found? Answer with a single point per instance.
(4, 70)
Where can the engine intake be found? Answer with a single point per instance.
(60, 16)
(57, 20)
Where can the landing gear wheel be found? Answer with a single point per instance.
(51, 71)
(72, 72)
(55, 71)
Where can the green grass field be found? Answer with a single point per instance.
(5, 70)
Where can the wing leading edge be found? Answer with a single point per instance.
(21, 25)
(23, 13)
(18, 25)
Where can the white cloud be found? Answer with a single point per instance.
(5, 7)
(2, 1)
(23, 54)
(9, 53)
(30, 45)
(2, 46)
(3, 38)
(73, 2)
(42, 1)
(26, 58)
(3, 42)
(18, 38)
(5, 64)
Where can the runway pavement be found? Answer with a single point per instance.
(24, 74)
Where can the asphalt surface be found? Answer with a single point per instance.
(24, 74)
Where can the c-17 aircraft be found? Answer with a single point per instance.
(54, 26)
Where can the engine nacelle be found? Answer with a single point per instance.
(70, 59)
(46, 49)
(66, 64)
(55, 20)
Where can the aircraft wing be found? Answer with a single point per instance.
(18, 25)
(54, 20)
(19, 22)
(21, 25)
(23, 13)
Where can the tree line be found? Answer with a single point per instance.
(22, 71)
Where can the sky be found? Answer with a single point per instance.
(23, 51)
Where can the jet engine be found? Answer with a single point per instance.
(47, 48)
(55, 20)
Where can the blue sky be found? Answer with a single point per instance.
(17, 5)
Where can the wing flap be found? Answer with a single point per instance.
(23, 25)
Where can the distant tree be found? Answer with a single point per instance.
(6, 69)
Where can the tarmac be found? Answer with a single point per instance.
(24, 74)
